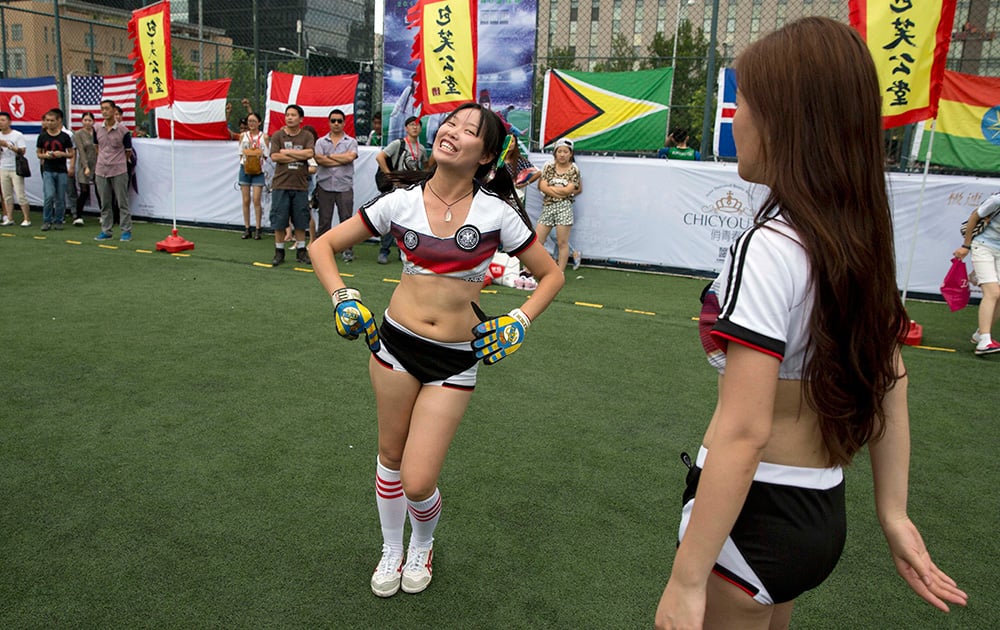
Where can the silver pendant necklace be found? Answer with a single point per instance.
(447, 210)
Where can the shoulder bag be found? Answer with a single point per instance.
(252, 157)
(382, 180)
(22, 166)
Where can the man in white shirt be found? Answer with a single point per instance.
(12, 184)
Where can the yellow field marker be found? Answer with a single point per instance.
(260, 264)
(936, 349)
(629, 310)
(180, 255)
(74, 242)
(588, 304)
(346, 275)
(39, 238)
(303, 270)
(108, 246)
(491, 291)
(392, 280)
(144, 251)
(6, 234)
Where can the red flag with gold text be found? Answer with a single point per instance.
(908, 40)
(446, 49)
(149, 31)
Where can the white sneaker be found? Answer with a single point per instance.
(78, 221)
(6, 221)
(992, 347)
(385, 580)
(975, 337)
(577, 259)
(26, 223)
(417, 570)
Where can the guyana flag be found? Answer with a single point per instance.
(606, 111)
(968, 124)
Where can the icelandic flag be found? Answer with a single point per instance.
(198, 111)
(315, 95)
(723, 145)
(27, 100)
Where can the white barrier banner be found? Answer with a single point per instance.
(673, 214)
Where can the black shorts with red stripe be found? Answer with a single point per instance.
(789, 535)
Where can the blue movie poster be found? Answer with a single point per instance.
(506, 76)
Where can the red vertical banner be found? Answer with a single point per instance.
(149, 31)
(908, 40)
(446, 49)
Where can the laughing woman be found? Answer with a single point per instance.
(425, 355)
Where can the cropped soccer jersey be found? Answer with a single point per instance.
(762, 299)
(466, 254)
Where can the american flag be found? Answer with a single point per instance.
(86, 94)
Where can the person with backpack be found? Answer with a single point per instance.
(251, 177)
(403, 154)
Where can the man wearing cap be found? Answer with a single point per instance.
(335, 155)
(404, 154)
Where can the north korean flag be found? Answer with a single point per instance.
(27, 100)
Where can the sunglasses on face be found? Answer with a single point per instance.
(339, 121)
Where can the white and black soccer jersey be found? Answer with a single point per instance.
(990, 236)
(492, 224)
(764, 298)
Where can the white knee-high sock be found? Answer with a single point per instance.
(424, 517)
(391, 506)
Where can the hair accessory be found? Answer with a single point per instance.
(490, 175)
(507, 142)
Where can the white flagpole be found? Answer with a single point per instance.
(920, 207)
(173, 172)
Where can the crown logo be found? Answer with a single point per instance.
(729, 204)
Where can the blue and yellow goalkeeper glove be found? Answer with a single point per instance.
(354, 318)
(498, 337)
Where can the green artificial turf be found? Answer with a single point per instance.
(186, 442)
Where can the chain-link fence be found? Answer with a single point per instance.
(244, 41)
(697, 37)
(61, 38)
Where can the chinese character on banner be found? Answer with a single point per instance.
(149, 30)
(446, 50)
(909, 42)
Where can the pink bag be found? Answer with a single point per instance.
(955, 287)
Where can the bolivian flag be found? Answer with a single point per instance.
(606, 111)
(968, 124)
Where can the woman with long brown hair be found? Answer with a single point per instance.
(805, 336)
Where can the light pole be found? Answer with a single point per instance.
(673, 64)
(710, 80)
(201, 43)
(309, 51)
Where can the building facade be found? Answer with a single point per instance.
(593, 31)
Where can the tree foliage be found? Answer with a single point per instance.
(622, 59)
(688, 99)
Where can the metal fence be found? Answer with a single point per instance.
(63, 37)
(700, 36)
(696, 37)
